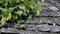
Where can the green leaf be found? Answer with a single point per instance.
(20, 21)
(14, 17)
(3, 20)
(22, 26)
(21, 7)
(9, 16)
(30, 16)
(42, 0)
(11, 9)
(19, 12)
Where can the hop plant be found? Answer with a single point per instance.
(18, 10)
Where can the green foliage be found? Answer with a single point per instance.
(18, 10)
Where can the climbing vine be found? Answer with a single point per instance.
(18, 10)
